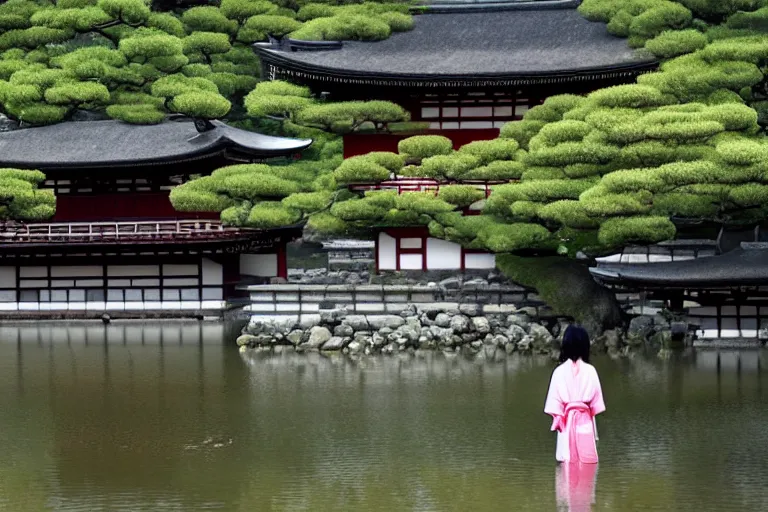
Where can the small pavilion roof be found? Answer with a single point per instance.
(747, 266)
(92, 144)
(493, 46)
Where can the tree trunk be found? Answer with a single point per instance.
(567, 287)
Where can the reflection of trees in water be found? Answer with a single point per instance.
(123, 407)
(127, 420)
(447, 434)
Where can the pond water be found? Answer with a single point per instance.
(171, 417)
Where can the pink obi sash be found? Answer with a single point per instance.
(578, 424)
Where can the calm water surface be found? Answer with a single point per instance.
(150, 417)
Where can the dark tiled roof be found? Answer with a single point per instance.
(115, 144)
(490, 44)
(740, 267)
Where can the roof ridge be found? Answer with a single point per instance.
(453, 6)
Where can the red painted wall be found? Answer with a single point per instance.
(126, 206)
(360, 144)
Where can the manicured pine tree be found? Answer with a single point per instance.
(20, 199)
(139, 64)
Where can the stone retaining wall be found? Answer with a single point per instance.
(437, 327)
(471, 317)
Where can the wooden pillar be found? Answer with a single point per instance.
(282, 260)
(230, 269)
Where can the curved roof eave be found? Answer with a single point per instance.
(740, 267)
(508, 47)
(102, 144)
(328, 74)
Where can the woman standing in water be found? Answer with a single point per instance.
(574, 399)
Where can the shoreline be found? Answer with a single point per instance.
(467, 329)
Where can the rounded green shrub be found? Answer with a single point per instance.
(425, 146)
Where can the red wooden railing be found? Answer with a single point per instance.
(117, 232)
(402, 185)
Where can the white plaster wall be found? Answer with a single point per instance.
(475, 261)
(179, 270)
(442, 254)
(410, 243)
(262, 265)
(76, 270)
(33, 272)
(213, 294)
(213, 273)
(411, 262)
(133, 270)
(118, 298)
(386, 248)
(7, 277)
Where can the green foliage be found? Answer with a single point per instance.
(350, 115)
(343, 27)
(572, 152)
(567, 213)
(357, 210)
(308, 202)
(460, 195)
(553, 108)
(126, 47)
(540, 190)
(20, 198)
(422, 202)
(242, 10)
(194, 198)
(397, 21)
(266, 215)
(360, 169)
(77, 93)
(257, 28)
(487, 151)
(672, 43)
(144, 45)
(325, 222)
(201, 104)
(629, 96)
(129, 11)
(502, 238)
(643, 230)
(281, 88)
(562, 131)
(425, 146)
(521, 131)
(454, 166)
(274, 104)
(500, 170)
(208, 19)
(136, 114)
(390, 161)
(206, 43)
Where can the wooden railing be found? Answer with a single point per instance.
(116, 232)
(402, 185)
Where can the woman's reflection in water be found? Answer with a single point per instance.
(575, 486)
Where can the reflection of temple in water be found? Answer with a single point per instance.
(730, 361)
(122, 402)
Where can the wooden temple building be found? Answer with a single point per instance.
(466, 68)
(116, 244)
(719, 285)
